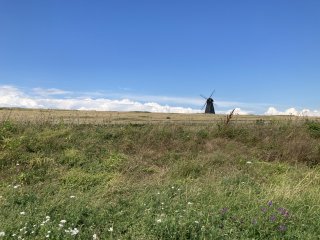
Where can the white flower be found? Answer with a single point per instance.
(94, 237)
(47, 236)
(110, 229)
(190, 203)
(49, 231)
(61, 225)
(249, 162)
(72, 196)
(16, 186)
(74, 231)
(47, 217)
(22, 213)
(63, 221)
(2, 234)
(197, 222)
(159, 220)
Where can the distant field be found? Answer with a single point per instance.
(108, 175)
(100, 117)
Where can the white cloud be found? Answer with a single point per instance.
(14, 97)
(237, 111)
(293, 112)
(49, 92)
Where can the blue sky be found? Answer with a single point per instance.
(256, 54)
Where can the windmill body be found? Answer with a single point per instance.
(210, 106)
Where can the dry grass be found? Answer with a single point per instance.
(99, 117)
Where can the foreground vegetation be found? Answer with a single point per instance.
(258, 180)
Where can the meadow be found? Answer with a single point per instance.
(110, 175)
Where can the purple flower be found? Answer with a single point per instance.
(270, 203)
(272, 218)
(283, 212)
(264, 210)
(282, 228)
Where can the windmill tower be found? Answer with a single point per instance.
(209, 104)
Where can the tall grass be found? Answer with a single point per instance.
(257, 180)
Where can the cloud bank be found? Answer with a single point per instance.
(293, 112)
(11, 96)
(46, 98)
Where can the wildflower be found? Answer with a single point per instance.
(22, 213)
(282, 228)
(197, 222)
(190, 203)
(94, 237)
(47, 217)
(249, 162)
(2, 234)
(272, 218)
(74, 231)
(172, 187)
(63, 221)
(13, 235)
(159, 220)
(110, 229)
(264, 210)
(16, 186)
(283, 212)
(72, 196)
(61, 225)
(270, 203)
(47, 236)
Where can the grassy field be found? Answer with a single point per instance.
(102, 175)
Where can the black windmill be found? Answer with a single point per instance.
(209, 104)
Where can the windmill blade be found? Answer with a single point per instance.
(203, 96)
(212, 93)
(203, 106)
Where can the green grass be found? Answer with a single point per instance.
(160, 181)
